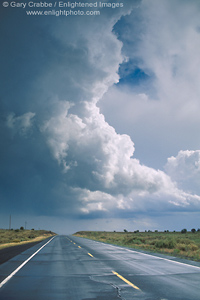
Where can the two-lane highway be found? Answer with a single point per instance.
(73, 268)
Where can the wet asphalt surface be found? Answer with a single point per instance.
(73, 268)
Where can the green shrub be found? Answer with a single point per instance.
(167, 243)
(130, 241)
(181, 247)
(31, 236)
(176, 251)
(138, 242)
(193, 247)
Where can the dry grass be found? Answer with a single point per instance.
(185, 245)
(9, 238)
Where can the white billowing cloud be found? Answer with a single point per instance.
(185, 170)
(60, 129)
(163, 40)
(98, 160)
(95, 201)
(21, 123)
(112, 180)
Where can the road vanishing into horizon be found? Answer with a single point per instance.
(73, 268)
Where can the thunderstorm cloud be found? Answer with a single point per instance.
(80, 94)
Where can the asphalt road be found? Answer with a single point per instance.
(73, 268)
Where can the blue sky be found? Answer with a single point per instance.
(100, 118)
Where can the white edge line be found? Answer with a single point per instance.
(151, 255)
(161, 258)
(21, 266)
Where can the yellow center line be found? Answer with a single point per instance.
(79, 246)
(74, 243)
(125, 280)
(90, 254)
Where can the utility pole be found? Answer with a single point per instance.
(10, 223)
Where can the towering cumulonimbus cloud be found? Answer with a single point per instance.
(74, 66)
(99, 160)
